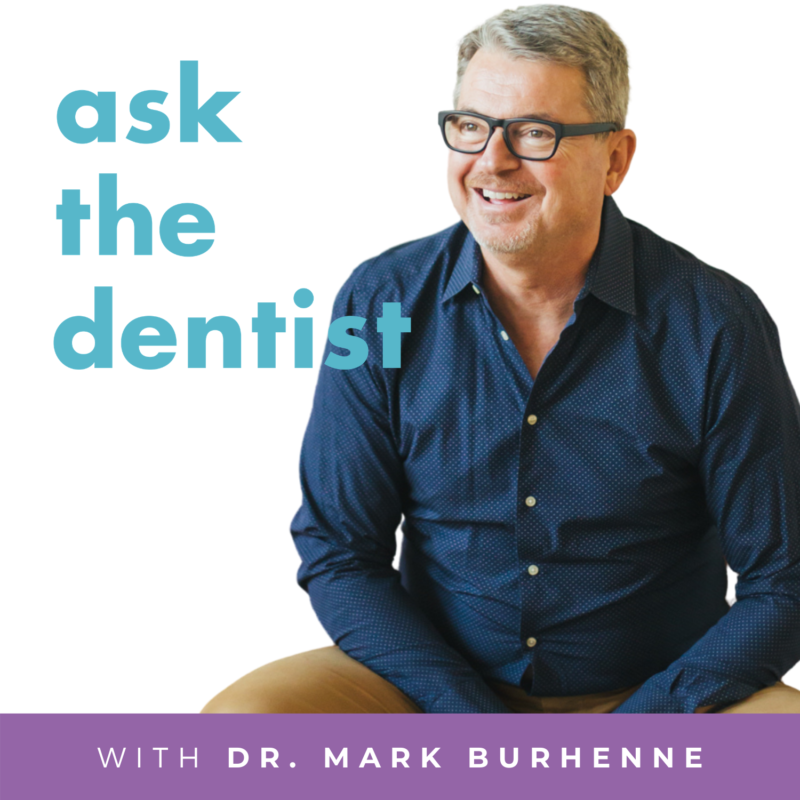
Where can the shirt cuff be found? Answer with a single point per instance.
(468, 697)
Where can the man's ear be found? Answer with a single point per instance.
(621, 147)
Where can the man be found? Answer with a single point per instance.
(587, 423)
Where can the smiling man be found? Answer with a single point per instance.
(588, 422)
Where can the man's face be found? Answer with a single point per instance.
(565, 193)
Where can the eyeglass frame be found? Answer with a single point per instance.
(562, 131)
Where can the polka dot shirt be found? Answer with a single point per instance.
(566, 534)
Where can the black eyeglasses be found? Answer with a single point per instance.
(531, 139)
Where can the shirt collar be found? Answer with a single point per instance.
(610, 276)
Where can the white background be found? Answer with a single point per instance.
(146, 555)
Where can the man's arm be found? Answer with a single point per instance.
(353, 483)
(750, 466)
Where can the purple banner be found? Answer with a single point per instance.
(121, 756)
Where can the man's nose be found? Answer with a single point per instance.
(497, 156)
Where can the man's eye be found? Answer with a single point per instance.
(536, 133)
(469, 127)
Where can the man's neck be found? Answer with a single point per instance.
(538, 286)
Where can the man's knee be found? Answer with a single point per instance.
(776, 699)
(271, 699)
(280, 687)
(229, 702)
(323, 681)
(243, 699)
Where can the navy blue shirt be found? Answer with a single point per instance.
(566, 534)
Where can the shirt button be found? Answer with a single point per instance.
(476, 289)
(533, 570)
(530, 502)
(533, 419)
(504, 335)
(531, 642)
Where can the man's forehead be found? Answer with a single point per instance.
(529, 87)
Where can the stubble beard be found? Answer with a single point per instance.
(504, 244)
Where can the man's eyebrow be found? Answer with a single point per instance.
(540, 115)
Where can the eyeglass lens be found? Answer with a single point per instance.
(469, 134)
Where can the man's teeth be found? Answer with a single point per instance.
(502, 195)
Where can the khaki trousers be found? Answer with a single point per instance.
(327, 681)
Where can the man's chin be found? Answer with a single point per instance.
(503, 241)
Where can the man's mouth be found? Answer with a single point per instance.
(500, 198)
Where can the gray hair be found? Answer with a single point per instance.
(561, 35)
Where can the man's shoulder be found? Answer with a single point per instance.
(404, 273)
(671, 280)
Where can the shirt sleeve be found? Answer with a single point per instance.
(353, 485)
(750, 467)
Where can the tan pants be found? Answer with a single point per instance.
(327, 681)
